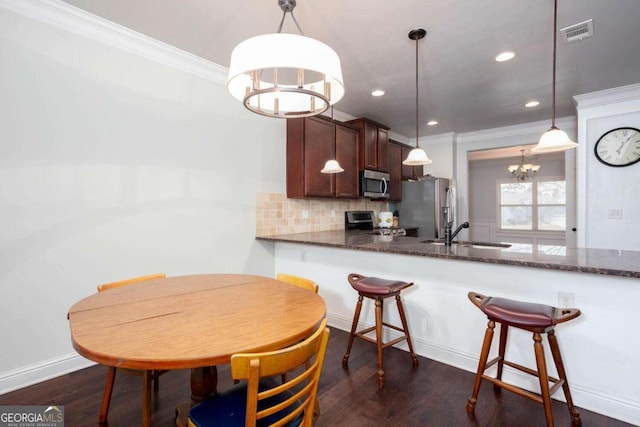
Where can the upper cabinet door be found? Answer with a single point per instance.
(382, 147)
(317, 150)
(346, 183)
(394, 153)
(373, 139)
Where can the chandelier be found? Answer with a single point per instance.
(524, 170)
(285, 75)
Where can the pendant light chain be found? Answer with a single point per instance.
(417, 115)
(553, 100)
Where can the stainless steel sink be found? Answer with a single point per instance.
(461, 243)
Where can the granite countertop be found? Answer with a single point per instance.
(597, 261)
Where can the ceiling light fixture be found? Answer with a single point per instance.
(332, 166)
(432, 122)
(285, 75)
(417, 156)
(505, 56)
(522, 171)
(532, 104)
(377, 92)
(554, 139)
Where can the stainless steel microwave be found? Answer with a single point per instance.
(374, 184)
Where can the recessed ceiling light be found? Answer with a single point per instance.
(377, 92)
(532, 104)
(432, 122)
(505, 56)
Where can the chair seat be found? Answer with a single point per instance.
(228, 409)
(378, 286)
(520, 314)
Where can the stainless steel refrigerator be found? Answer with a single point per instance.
(427, 204)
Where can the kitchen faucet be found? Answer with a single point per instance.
(448, 235)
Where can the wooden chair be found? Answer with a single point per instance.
(149, 378)
(298, 281)
(260, 399)
(535, 318)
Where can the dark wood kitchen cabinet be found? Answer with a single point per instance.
(373, 141)
(394, 157)
(309, 145)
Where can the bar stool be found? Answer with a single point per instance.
(535, 318)
(378, 290)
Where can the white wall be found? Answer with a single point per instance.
(601, 187)
(113, 166)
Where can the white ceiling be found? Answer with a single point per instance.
(461, 85)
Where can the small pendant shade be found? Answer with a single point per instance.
(554, 140)
(332, 166)
(417, 157)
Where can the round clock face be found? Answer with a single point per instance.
(619, 147)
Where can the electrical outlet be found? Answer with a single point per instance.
(615, 213)
(566, 300)
(305, 214)
(303, 255)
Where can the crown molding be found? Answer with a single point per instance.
(608, 96)
(70, 18)
(516, 130)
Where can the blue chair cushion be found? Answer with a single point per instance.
(229, 408)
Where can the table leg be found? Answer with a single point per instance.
(204, 383)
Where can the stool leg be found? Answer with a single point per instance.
(504, 331)
(543, 377)
(557, 358)
(482, 363)
(379, 341)
(403, 319)
(354, 326)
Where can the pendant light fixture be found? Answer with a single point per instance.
(332, 165)
(524, 170)
(554, 139)
(285, 75)
(417, 156)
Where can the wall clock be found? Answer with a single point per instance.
(619, 147)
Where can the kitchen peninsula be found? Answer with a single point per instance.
(446, 327)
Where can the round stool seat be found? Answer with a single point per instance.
(378, 286)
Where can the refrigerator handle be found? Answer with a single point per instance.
(450, 204)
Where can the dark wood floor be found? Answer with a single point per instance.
(433, 394)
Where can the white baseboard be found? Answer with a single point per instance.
(33, 374)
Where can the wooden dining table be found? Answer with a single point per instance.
(196, 321)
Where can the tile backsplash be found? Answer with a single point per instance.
(276, 214)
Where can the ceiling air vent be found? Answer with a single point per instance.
(577, 32)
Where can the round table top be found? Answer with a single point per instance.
(192, 321)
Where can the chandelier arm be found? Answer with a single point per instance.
(297, 25)
(282, 21)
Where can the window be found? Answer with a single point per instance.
(535, 205)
